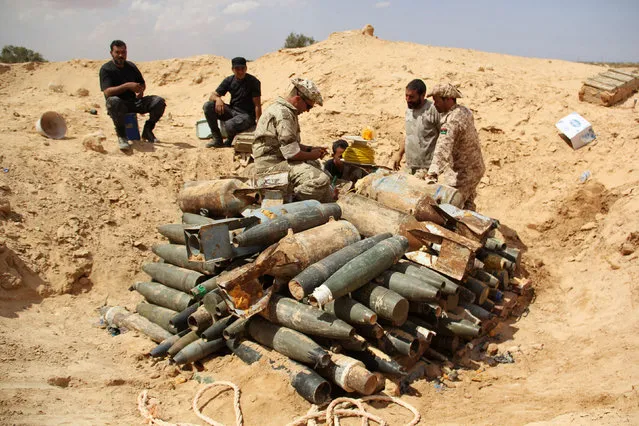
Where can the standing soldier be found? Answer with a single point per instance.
(457, 160)
(422, 129)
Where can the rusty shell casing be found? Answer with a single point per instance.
(215, 330)
(220, 197)
(356, 344)
(173, 276)
(386, 303)
(410, 288)
(119, 317)
(445, 343)
(376, 360)
(310, 385)
(349, 374)
(406, 186)
(430, 277)
(306, 281)
(486, 277)
(182, 342)
(236, 329)
(306, 319)
(159, 294)
(489, 305)
(198, 350)
(193, 219)
(494, 244)
(162, 349)
(203, 288)
(371, 218)
(397, 340)
(427, 310)
(291, 343)
(200, 320)
(175, 254)
(479, 288)
(494, 261)
(351, 311)
(361, 270)
(174, 232)
(158, 315)
(181, 320)
(479, 312)
(374, 331)
(512, 254)
(272, 231)
(294, 253)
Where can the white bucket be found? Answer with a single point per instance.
(52, 125)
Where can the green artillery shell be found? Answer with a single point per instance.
(157, 314)
(272, 231)
(306, 319)
(196, 219)
(181, 320)
(198, 350)
(386, 303)
(445, 285)
(376, 360)
(361, 270)
(120, 317)
(351, 311)
(211, 300)
(310, 385)
(221, 310)
(174, 232)
(349, 374)
(487, 278)
(175, 277)
(400, 342)
(288, 342)
(221, 197)
(307, 280)
(461, 328)
(182, 342)
(479, 288)
(410, 288)
(422, 333)
(175, 254)
(215, 331)
(236, 330)
(296, 252)
(200, 320)
(494, 244)
(200, 290)
(163, 348)
(479, 312)
(374, 331)
(161, 295)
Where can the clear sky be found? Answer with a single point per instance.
(586, 30)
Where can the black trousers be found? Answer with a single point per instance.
(118, 109)
(235, 120)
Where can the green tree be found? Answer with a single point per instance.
(15, 54)
(298, 40)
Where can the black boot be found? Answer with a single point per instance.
(216, 139)
(147, 132)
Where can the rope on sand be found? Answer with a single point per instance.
(338, 408)
(151, 419)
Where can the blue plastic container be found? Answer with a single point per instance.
(131, 127)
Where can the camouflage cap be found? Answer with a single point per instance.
(445, 91)
(308, 90)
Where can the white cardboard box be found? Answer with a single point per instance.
(577, 129)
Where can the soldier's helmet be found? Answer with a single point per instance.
(444, 91)
(308, 90)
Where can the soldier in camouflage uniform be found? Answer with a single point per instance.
(457, 160)
(278, 148)
(422, 129)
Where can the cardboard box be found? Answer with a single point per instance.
(576, 129)
(203, 131)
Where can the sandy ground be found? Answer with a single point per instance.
(76, 224)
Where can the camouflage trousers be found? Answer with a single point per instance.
(468, 193)
(306, 180)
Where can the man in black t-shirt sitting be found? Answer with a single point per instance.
(245, 107)
(123, 87)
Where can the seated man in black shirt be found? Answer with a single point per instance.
(335, 166)
(245, 107)
(123, 87)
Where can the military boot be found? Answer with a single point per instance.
(216, 141)
(147, 132)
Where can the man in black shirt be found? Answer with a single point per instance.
(245, 107)
(335, 166)
(123, 87)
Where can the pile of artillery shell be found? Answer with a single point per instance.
(344, 311)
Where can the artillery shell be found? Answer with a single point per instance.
(158, 315)
(350, 374)
(236, 329)
(120, 317)
(386, 303)
(376, 360)
(351, 311)
(410, 288)
(173, 276)
(478, 287)
(215, 331)
(198, 350)
(200, 320)
(161, 295)
(181, 320)
(176, 255)
(221, 197)
(430, 277)
(174, 232)
(196, 219)
(182, 342)
(162, 349)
